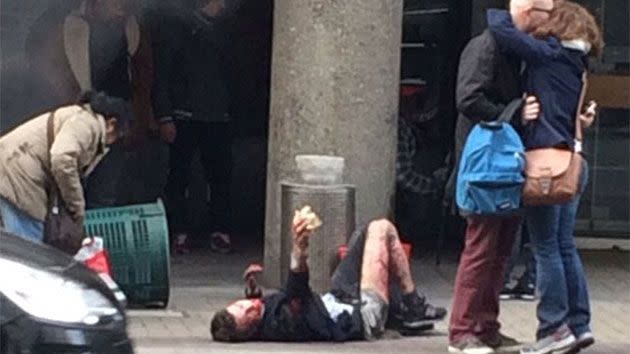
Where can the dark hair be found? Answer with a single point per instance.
(223, 328)
(108, 107)
(569, 21)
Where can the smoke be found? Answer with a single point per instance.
(17, 23)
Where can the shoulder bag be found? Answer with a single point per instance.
(60, 229)
(552, 174)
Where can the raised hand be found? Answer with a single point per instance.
(305, 221)
(300, 232)
(588, 116)
(252, 289)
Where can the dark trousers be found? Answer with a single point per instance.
(521, 253)
(101, 186)
(214, 143)
(479, 279)
(128, 176)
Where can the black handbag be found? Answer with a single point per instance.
(61, 230)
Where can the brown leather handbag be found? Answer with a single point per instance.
(552, 174)
(60, 229)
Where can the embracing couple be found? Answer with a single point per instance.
(537, 51)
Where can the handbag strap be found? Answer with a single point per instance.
(50, 130)
(53, 192)
(578, 122)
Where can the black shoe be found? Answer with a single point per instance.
(406, 332)
(394, 322)
(519, 291)
(510, 292)
(526, 291)
(417, 313)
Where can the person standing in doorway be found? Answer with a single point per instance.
(191, 101)
(416, 191)
(487, 83)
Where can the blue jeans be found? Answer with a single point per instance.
(19, 223)
(561, 280)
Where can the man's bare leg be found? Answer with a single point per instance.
(383, 255)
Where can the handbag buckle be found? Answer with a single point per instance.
(545, 185)
(545, 182)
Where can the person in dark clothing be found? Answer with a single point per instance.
(407, 178)
(357, 306)
(556, 60)
(416, 190)
(488, 89)
(109, 72)
(521, 287)
(191, 101)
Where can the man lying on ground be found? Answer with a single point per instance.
(372, 281)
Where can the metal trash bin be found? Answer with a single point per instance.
(335, 205)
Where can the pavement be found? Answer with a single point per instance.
(204, 282)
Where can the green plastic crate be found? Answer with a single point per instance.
(136, 238)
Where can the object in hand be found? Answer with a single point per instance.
(312, 220)
(592, 107)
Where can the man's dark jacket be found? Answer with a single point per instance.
(192, 69)
(297, 314)
(487, 82)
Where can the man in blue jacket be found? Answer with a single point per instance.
(356, 308)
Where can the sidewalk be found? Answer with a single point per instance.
(204, 282)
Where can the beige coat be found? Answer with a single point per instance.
(78, 146)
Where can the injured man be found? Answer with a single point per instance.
(371, 283)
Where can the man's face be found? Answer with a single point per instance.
(530, 14)
(111, 130)
(247, 313)
(214, 7)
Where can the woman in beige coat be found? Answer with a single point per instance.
(82, 133)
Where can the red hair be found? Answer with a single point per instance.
(569, 21)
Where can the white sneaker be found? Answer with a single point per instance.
(584, 340)
(469, 345)
(558, 342)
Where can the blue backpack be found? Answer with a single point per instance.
(490, 175)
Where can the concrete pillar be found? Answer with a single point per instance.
(334, 91)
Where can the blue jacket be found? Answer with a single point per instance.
(553, 74)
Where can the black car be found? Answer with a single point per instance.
(50, 303)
